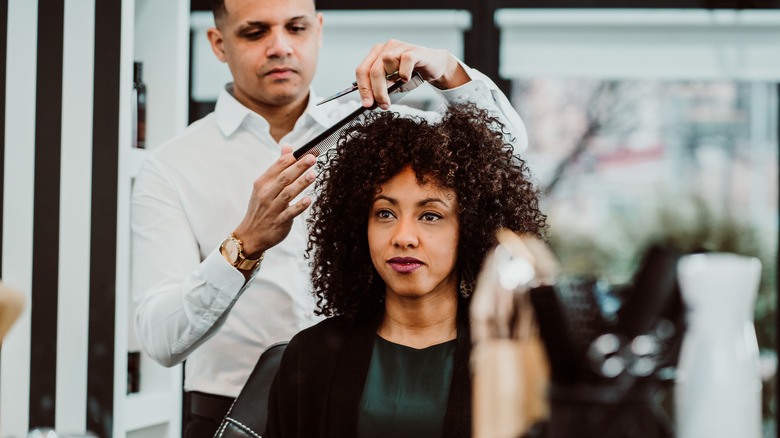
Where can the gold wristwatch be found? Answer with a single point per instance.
(232, 250)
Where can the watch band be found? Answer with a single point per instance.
(241, 262)
(244, 264)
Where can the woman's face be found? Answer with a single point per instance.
(413, 237)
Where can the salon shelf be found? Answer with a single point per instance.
(156, 34)
(148, 409)
(132, 159)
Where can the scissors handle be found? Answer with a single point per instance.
(387, 76)
(351, 89)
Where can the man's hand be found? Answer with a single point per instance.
(438, 67)
(270, 216)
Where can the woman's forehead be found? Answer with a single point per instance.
(406, 183)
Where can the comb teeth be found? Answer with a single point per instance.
(327, 143)
(329, 138)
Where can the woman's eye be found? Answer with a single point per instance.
(430, 217)
(384, 214)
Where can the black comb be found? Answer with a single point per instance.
(328, 138)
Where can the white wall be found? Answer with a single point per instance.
(635, 43)
(18, 209)
(75, 213)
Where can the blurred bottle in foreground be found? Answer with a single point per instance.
(509, 364)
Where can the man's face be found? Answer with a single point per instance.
(271, 47)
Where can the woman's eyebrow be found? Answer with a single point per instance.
(427, 201)
(420, 203)
(386, 198)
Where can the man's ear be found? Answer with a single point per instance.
(216, 40)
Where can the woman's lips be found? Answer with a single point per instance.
(404, 265)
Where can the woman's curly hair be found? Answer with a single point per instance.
(465, 151)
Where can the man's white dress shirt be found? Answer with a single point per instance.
(189, 195)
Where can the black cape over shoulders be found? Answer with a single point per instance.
(317, 390)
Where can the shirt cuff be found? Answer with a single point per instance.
(483, 92)
(222, 276)
(474, 91)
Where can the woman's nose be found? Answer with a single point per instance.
(405, 234)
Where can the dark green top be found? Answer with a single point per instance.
(406, 390)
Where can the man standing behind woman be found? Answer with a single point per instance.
(212, 203)
(407, 211)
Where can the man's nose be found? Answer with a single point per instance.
(279, 45)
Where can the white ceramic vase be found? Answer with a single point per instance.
(718, 386)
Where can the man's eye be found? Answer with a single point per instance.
(254, 34)
(297, 29)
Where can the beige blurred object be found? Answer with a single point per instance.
(535, 251)
(11, 305)
(509, 364)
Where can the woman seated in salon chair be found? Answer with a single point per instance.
(406, 214)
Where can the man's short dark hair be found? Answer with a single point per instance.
(219, 10)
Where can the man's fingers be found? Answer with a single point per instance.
(291, 174)
(407, 61)
(296, 209)
(379, 73)
(284, 162)
(363, 76)
(291, 191)
(383, 59)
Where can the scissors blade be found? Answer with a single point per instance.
(352, 88)
(340, 93)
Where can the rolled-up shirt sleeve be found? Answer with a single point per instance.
(483, 92)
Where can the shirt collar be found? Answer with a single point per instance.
(231, 113)
(317, 113)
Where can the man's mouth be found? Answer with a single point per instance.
(280, 73)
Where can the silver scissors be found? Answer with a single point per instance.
(352, 88)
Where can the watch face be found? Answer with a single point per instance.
(231, 250)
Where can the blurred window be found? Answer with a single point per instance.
(653, 125)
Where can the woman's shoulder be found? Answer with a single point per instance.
(328, 334)
(334, 324)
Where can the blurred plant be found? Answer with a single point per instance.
(687, 224)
